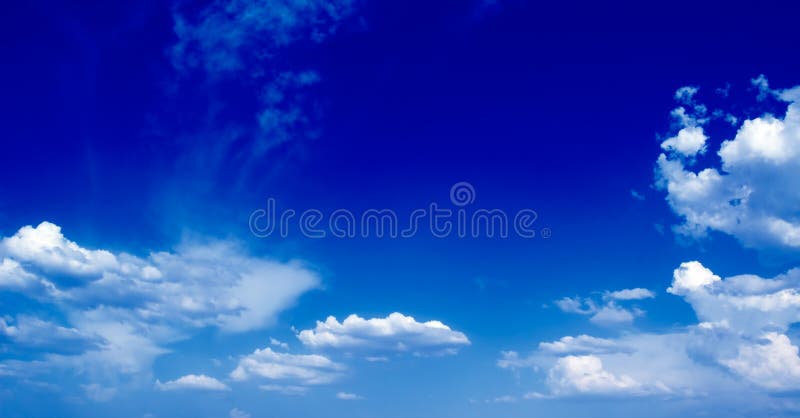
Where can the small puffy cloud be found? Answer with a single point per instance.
(576, 305)
(582, 344)
(303, 369)
(347, 396)
(630, 294)
(688, 142)
(192, 382)
(585, 375)
(395, 332)
(753, 193)
(611, 315)
(690, 277)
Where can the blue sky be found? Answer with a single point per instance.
(659, 149)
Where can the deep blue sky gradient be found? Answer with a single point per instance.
(558, 109)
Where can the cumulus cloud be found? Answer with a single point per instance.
(192, 382)
(394, 332)
(121, 311)
(753, 193)
(585, 375)
(301, 369)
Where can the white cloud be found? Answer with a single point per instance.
(585, 374)
(192, 382)
(278, 343)
(607, 312)
(28, 332)
(582, 344)
(395, 332)
(576, 305)
(346, 396)
(773, 363)
(754, 193)
(691, 276)
(46, 248)
(120, 311)
(630, 294)
(303, 369)
(689, 141)
(612, 315)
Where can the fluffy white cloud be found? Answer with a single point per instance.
(585, 374)
(192, 382)
(46, 248)
(302, 369)
(689, 141)
(122, 311)
(395, 332)
(754, 194)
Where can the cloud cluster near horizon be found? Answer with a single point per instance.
(120, 312)
(741, 342)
